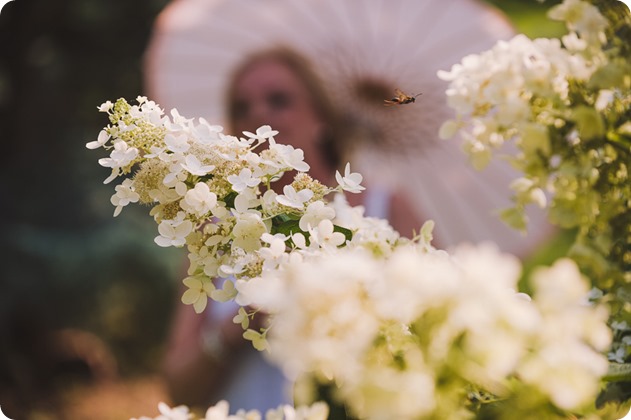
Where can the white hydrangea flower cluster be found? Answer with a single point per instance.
(514, 90)
(403, 336)
(559, 110)
(212, 193)
(405, 330)
(524, 91)
(221, 411)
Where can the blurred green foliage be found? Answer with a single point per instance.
(529, 17)
(66, 263)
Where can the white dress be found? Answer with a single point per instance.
(255, 384)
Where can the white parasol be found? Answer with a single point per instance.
(363, 49)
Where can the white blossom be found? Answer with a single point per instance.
(219, 411)
(176, 174)
(180, 412)
(316, 212)
(206, 133)
(101, 140)
(247, 231)
(263, 133)
(125, 194)
(106, 106)
(121, 156)
(227, 292)
(350, 181)
(193, 165)
(274, 254)
(199, 200)
(582, 17)
(290, 157)
(173, 232)
(198, 292)
(293, 198)
(243, 180)
(177, 144)
(324, 235)
(246, 200)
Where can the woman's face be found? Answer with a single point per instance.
(270, 93)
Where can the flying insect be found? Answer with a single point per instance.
(401, 98)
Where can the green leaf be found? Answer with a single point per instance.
(589, 122)
(618, 372)
(347, 233)
(614, 394)
(514, 217)
(285, 225)
(229, 199)
(611, 75)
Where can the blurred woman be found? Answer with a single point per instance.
(207, 359)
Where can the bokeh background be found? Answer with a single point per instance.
(86, 299)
